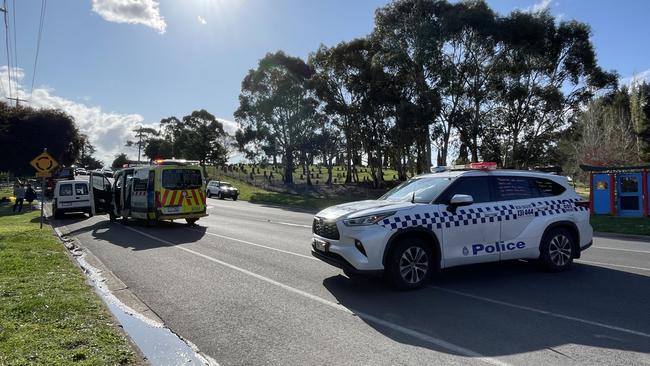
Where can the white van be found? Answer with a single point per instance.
(71, 196)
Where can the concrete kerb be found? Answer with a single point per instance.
(127, 301)
(113, 284)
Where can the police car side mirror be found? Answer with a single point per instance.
(460, 200)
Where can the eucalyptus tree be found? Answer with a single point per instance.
(547, 71)
(276, 98)
(331, 82)
(409, 38)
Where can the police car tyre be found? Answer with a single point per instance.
(234, 198)
(556, 251)
(410, 264)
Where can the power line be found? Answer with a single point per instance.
(38, 44)
(4, 10)
(15, 43)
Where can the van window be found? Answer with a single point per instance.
(80, 189)
(182, 179)
(65, 190)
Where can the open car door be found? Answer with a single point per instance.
(101, 193)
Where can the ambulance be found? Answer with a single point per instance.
(165, 190)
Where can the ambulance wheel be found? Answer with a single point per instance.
(191, 222)
(57, 214)
(556, 251)
(410, 264)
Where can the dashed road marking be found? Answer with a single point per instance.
(624, 250)
(611, 265)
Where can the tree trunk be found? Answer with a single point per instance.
(288, 168)
(348, 177)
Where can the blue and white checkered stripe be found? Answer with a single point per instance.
(478, 215)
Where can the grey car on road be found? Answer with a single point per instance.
(221, 190)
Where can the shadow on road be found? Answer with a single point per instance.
(114, 233)
(445, 311)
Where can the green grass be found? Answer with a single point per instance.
(49, 315)
(621, 225)
(254, 194)
(6, 192)
(582, 189)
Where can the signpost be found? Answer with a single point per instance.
(44, 164)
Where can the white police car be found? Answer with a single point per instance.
(456, 217)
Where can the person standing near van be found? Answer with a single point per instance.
(19, 192)
(30, 196)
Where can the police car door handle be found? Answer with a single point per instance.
(491, 214)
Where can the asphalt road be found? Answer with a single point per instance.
(244, 288)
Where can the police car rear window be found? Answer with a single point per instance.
(519, 188)
(548, 188)
(514, 188)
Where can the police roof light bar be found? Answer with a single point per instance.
(485, 165)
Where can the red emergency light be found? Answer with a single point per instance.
(485, 165)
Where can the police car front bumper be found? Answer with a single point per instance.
(336, 260)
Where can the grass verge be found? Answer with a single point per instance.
(254, 194)
(621, 225)
(49, 315)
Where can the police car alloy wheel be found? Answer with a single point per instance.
(410, 264)
(557, 250)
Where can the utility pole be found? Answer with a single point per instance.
(18, 100)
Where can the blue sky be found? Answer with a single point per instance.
(178, 56)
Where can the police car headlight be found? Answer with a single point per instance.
(367, 220)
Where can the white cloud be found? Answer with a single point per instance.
(539, 6)
(145, 12)
(636, 78)
(201, 20)
(108, 131)
(229, 126)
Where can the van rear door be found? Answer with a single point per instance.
(100, 192)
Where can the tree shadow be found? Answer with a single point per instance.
(509, 308)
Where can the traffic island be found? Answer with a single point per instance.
(48, 312)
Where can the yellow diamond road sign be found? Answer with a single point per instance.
(44, 163)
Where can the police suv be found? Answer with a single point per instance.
(454, 217)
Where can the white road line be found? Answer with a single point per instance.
(624, 250)
(413, 333)
(290, 224)
(544, 312)
(611, 265)
(254, 244)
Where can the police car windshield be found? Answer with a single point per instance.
(425, 189)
